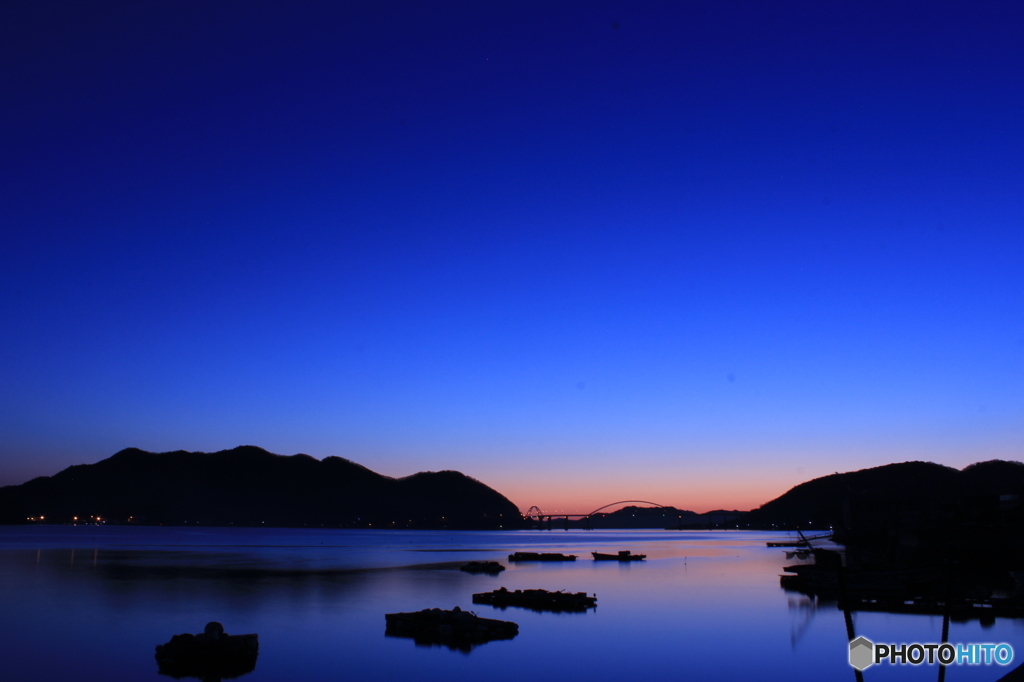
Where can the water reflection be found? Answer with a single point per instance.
(803, 610)
(704, 605)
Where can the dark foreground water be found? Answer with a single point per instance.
(90, 603)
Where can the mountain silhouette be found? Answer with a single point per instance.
(248, 486)
(870, 499)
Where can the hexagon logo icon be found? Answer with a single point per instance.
(862, 653)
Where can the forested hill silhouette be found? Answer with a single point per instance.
(870, 499)
(248, 486)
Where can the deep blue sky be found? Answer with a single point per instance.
(688, 252)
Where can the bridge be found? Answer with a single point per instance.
(542, 519)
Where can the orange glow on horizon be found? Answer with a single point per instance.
(698, 499)
(718, 481)
(697, 491)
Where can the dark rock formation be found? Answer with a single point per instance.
(456, 629)
(538, 600)
(212, 654)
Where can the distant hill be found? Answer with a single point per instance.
(660, 518)
(642, 517)
(882, 496)
(248, 486)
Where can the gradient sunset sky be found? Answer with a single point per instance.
(687, 252)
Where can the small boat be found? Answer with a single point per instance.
(492, 567)
(623, 555)
(456, 629)
(540, 556)
(209, 654)
(537, 600)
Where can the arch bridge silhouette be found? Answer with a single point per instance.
(542, 519)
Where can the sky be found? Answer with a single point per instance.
(687, 252)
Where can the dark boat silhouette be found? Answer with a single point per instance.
(623, 555)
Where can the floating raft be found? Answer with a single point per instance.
(482, 567)
(209, 655)
(540, 556)
(537, 600)
(623, 555)
(456, 629)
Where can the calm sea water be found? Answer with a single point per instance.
(90, 603)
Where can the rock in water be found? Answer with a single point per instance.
(456, 629)
(210, 654)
